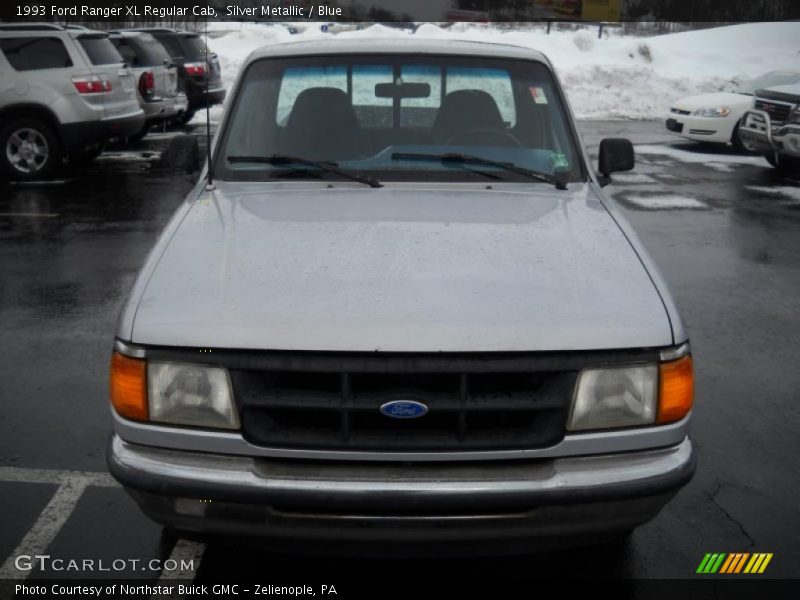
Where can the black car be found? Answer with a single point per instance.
(199, 72)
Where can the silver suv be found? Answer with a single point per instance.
(63, 94)
(401, 308)
(156, 76)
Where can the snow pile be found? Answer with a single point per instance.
(233, 47)
(618, 77)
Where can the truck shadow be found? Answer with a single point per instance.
(233, 562)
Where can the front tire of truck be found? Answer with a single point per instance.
(785, 165)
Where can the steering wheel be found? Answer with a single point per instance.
(498, 133)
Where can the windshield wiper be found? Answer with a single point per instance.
(283, 159)
(558, 180)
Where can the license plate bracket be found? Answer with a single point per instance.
(673, 125)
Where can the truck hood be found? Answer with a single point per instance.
(402, 268)
(785, 93)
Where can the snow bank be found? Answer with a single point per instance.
(619, 77)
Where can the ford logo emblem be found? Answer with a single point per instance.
(404, 409)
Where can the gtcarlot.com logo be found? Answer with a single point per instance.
(735, 563)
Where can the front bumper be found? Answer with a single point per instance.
(200, 98)
(715, 130)
(165, 108)
(789, 139)
(78, 136)
(758, 134)
(514, 501)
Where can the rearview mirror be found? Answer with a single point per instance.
(402, 90)
(616, 154)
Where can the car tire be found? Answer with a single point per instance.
(786, 165)
(29, 150)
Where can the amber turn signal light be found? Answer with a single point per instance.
(129, 387)
(675, 390)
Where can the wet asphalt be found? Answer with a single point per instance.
(723, 228)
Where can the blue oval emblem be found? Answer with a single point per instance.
(404, 409)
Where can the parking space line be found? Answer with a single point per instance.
(22, 475)
(47, 525)
(182, 552)
(55, 513)
(71, 485)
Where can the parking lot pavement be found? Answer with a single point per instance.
(722, 227)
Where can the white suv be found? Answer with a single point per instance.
(63, 93)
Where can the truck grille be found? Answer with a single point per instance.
(778, 112)
(338, 410)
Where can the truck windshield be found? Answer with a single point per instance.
(376, 114)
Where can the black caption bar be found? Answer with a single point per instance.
(711, 11)
(403, 586)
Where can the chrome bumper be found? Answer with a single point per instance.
(788, 139)
(294, 499)
(755, 131)
(165, 107)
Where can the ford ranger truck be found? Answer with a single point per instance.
(398, 308)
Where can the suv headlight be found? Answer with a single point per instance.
(719, 111)
(189, 394)
(176, 393)
(630, 396)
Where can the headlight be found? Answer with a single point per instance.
(635, 395)
(719, 111)
(189, 394)
(606, 398)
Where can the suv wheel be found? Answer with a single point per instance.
(29, 150)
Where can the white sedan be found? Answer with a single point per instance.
(714, 118)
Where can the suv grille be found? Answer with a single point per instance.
(778, 112)
(337, 410)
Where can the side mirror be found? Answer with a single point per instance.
(616, 154)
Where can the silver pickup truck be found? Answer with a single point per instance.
(398, 307)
